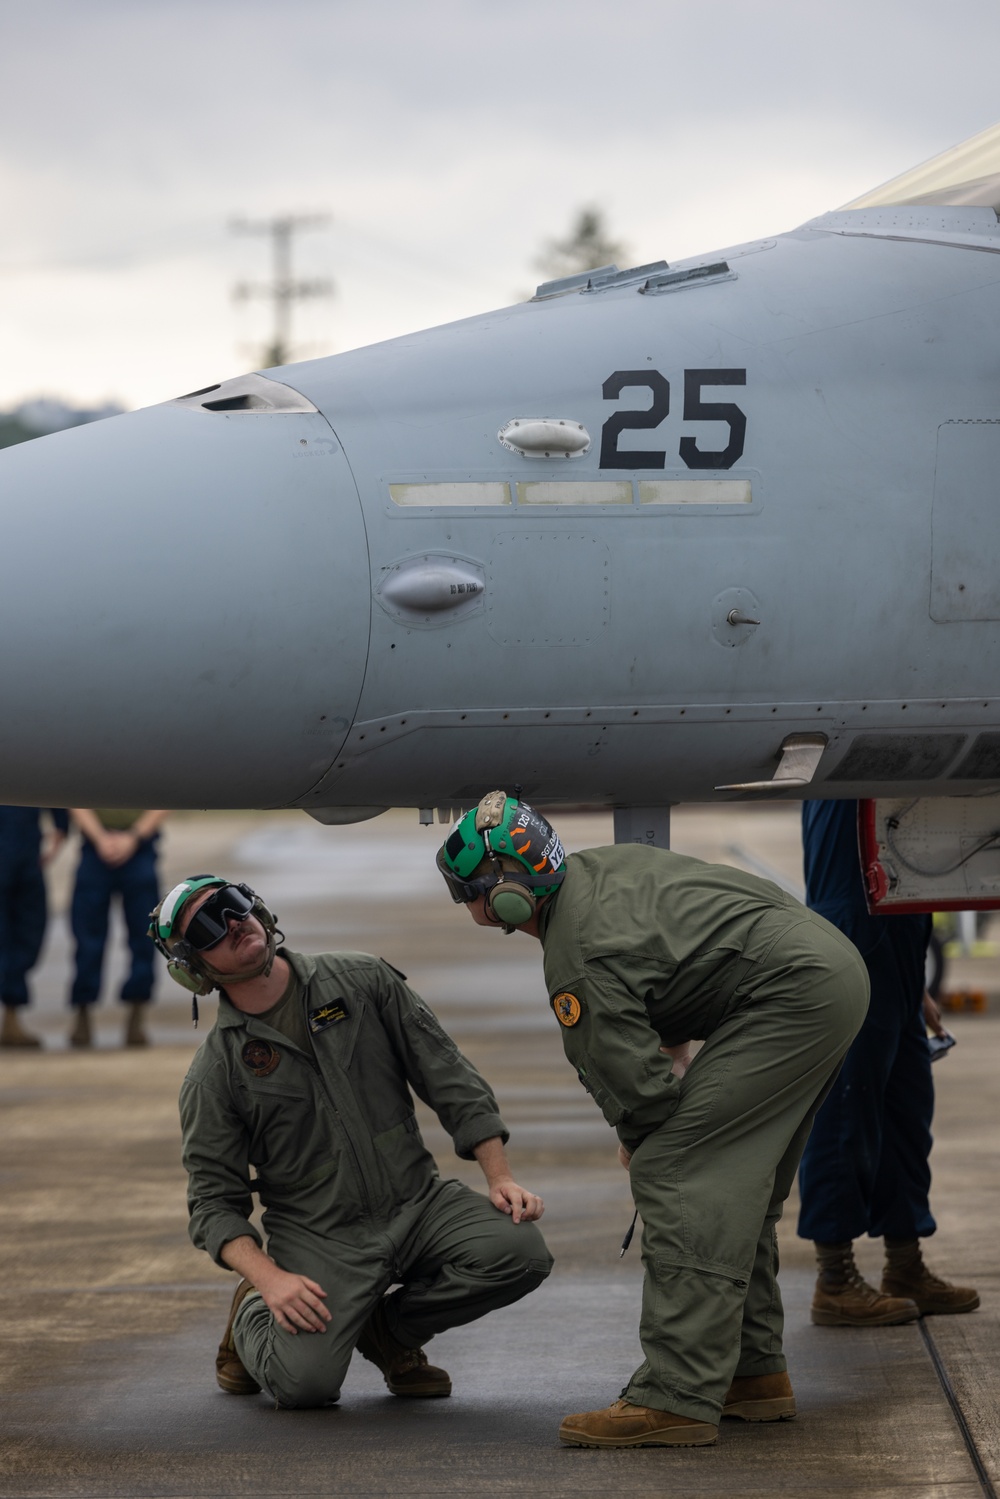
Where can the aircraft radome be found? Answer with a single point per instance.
(656, 532)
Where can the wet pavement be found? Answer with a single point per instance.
(111, 1318)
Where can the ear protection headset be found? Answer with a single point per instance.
(509, 901)
(186, 965)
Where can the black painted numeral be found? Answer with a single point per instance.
(697, 410)
(626, 421)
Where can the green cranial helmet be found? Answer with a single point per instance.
(506, 832)
(164, 918)
(188, 961)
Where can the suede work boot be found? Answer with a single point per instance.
(13, 1033)
(625, 1425)
(230, 1374)
(405, 1370)
(135, 1026)
(760, 1397)
(905, 1274)
(80, 1035)
(843, 1298)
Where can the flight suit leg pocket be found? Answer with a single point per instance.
(690, 1334)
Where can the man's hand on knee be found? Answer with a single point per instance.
(295, 1300)
(522, 1206)
(504, 1191)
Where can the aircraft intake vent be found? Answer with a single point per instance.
(247, 393)
(696, 276)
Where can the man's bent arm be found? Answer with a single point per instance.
(294, 1299)
(504, 1192)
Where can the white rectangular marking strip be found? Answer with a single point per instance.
(575, 492)
(483, 493)
(695, 492)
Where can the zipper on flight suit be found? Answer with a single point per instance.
(314, 1063)
(362, 1182)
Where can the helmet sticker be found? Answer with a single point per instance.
(170, 903)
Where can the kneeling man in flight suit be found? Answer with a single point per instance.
(643, 951)
(306, 1076)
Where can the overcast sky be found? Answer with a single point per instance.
(446, 139)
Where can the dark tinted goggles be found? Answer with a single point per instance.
(210, 922)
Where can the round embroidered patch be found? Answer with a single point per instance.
(567, 1008)
(261, 1057)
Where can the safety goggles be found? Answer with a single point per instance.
(464, 891)
(210, 922)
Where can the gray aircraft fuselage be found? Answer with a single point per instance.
(234, 600)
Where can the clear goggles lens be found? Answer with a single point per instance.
(210, 922)
(463, 891)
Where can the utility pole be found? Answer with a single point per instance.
(282, 290)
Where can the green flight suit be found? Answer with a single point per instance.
(645, 948)
(351, 1196)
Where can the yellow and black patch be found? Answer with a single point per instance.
(567, 1008)
(326, 1015)
(261, 1057)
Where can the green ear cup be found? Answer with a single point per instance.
(194, 983)
(510, 905)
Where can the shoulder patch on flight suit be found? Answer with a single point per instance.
(261, 1057)
(326, 1015)
(567, 1008)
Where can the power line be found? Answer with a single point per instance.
(283, 290)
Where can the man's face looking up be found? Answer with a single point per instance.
(243, 946)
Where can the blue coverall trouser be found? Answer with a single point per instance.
(22, 916)
(865, 1169)
(135, 882)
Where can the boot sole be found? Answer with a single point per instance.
(420, 1392)
(944, 1311)
(839, 1319)
(671, 1437)
(782, 1408)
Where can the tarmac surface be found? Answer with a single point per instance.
(111, 1318)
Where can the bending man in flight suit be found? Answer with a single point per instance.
(644, 950)
(307, 1076)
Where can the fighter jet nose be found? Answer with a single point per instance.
(192, 573)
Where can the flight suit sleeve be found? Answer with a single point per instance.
(215, 1157)
(616, 1053)
(436, 1070)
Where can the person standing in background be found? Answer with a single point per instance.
(866, 1168)
(118, 858)
(23, 908)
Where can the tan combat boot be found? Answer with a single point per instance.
(625, 1425)
(760, 1397)
(135, 1026)
(405, 1370)
(80, 1033)
(13, 1033)
(905, 1274)
(843, 1298)
(230, 1374)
